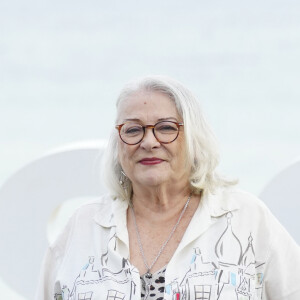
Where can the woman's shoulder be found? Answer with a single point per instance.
(84, 218)
(250, 212)
(234, 198)
(94, 206)
(245, 226)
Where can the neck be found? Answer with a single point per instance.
(159, 203)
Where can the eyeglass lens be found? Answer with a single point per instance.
(165, 132)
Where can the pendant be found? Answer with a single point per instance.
(148, 275)
(147, 278)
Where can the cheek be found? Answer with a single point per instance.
(181, 156)
(125, 154)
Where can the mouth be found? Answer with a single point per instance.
(151, 161)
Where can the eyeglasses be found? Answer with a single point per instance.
(165, 132)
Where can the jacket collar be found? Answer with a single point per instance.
(221, 202)
(113, 212)
(211, 207)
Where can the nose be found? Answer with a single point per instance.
(149, 141)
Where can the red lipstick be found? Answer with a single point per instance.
(151, 161)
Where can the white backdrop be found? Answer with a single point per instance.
(36, 196)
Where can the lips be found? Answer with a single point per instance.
(151, 161)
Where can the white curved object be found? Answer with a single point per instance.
(282, 196)
(29, 197)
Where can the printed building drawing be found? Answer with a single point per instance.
(95, 273)
(234, 275)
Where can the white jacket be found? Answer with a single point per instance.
(233, 249)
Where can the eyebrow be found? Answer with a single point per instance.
(160, 119)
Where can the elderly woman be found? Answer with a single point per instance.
(171, 227)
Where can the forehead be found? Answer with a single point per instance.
(147, 106)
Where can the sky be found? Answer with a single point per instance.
(63, 63)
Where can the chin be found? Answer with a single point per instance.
(150, 179)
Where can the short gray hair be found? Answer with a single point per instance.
(201, 145)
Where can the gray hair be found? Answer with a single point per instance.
(201, 145)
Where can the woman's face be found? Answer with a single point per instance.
(167, 164)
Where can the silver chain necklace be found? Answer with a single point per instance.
(148, 275)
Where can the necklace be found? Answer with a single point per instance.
(148, 275)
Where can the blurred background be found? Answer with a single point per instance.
(63, 63)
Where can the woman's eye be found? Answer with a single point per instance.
(133, 130)
(166, 128)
